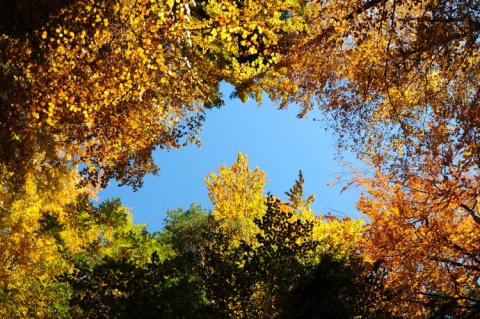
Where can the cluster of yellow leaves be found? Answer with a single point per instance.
(238, 193)
(113, 80)
(339, 237)
(30, 261)
(108, 82)
(249, 36)
(43, 227)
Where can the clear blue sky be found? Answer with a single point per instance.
(274, 140)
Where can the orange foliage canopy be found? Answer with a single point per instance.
(424, 233)
(396, 78)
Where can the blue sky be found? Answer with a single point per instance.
(274, 140)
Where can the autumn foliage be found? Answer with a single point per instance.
(90, 88)
(103, 83)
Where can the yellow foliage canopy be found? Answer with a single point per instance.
(238, 196)
(103, 83)
(48, 225)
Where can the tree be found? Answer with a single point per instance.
(399, 80)
(428, 244)
(30, 230)
(123, 289)
(184, 230)
(46, 229)
(261, 276)
(103, 83)
(238, 195)
(283, 259)
(187, 234)
(399, 83)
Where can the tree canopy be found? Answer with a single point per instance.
(103, 83)
(90, 88)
